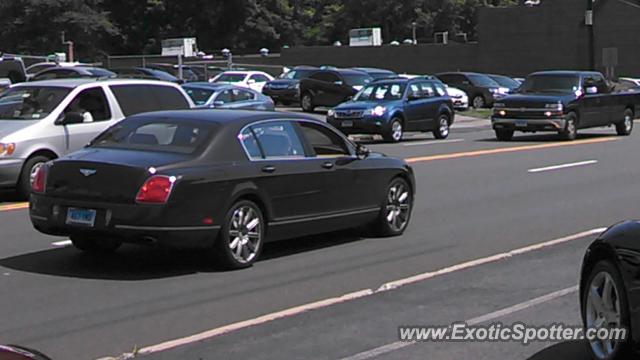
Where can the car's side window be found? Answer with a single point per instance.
(242, 95)
(260, 78)
(321, 76)
(225, 97)
(324, 141)
(92, 104)
(413, 92)
(441, 90)
(278, 139)
(427, 90)
(139, 98)
(250, 143)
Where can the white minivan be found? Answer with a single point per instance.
(43, 120)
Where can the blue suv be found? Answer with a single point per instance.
(391, 107)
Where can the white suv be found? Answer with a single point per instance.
(43, 120)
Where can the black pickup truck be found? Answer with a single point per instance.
(563, 102)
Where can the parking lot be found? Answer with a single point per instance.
(497, 233)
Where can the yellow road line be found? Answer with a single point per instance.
(507, 150)
(17, 206)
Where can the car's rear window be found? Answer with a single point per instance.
(162, 135)
(199, 95)
(136, 99)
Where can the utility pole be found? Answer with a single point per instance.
(589, 22)
(415, 39)
(69, 44)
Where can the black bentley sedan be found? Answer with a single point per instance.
(225, 180)
(610, 291)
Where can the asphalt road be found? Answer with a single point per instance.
(475, 198)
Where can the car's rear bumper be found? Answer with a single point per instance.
(126, 222)
(530, 125)
(10, 172)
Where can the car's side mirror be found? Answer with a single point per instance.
(71, 118)
(591, 90)
(362, 152)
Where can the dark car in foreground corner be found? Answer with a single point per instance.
(391, 107)
(610, 290)
(286, 88)
(227, 96)
(563, 102)
(223, 180)
(330, 87)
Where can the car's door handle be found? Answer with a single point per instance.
(327, 165)
(269, 169)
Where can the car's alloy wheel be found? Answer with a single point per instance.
(241, 239)
(307, 102)
(570, 131)
(626, 126)
(443, 127)
(478, 102)
(395, 132)
(396, 211)
(605, 306)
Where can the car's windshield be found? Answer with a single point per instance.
(357, 79)
(551, 83)
(198, 95)
(231, 78)
(30, 103)
(482, 80)
(505, 81)
(381, 92)
(296, 74)
(176, 136)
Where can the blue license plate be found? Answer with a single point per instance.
(347, 123)
(83, 217)
(521, 123)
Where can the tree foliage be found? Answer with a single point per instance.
(98, 27)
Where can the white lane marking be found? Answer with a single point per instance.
(563, 166)
(62, 243)
(354, 295)
(433, 142)
(395, 346)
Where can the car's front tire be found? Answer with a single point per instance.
(570, 132)
(94, 245)
(504, 134)
(625, 127)
(605, 304)
(306, 102)
(242, 236)
(395, 131)
(479, 102)
(396, 209)
(443, 129)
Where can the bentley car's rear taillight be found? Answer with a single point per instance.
(156, 190)
(40, 181)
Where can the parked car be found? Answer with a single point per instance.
(480, 88)
(72, 72)
(563, 102)
(144, 73)
(458, 97)
(40, 121)
(629, 83)
(255, 80)
(330, 87)
(13, 69)
(33, 69)
(226, 96)
(188, 74)
(608, 290)
(286, 88)
(377, 74)
(206, 72)
(506, 82)
(227, 181)
(392, 107)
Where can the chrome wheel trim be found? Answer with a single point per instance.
(478, 102)
(396, 130)
(245, 234)
(398, 206)
(628, 122)
(306, 102)
(603, 311)
(571, 126)
(34, 171)
(444, 126)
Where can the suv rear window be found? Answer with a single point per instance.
(175, 136)
(136, 99)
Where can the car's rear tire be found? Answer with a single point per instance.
(396, 209)
(443, 130)
(306, 102)
(479, 102)
(242, 236)
(27, 176)
(625, 127)
(504, 134)
(570, 132)
(605, 303)
(93, 245)
(395, 131)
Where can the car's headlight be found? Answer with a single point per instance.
(7, 149)
(493, 90)
(376, 111)
(331, 113)
(503, 90)
(556, 107)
